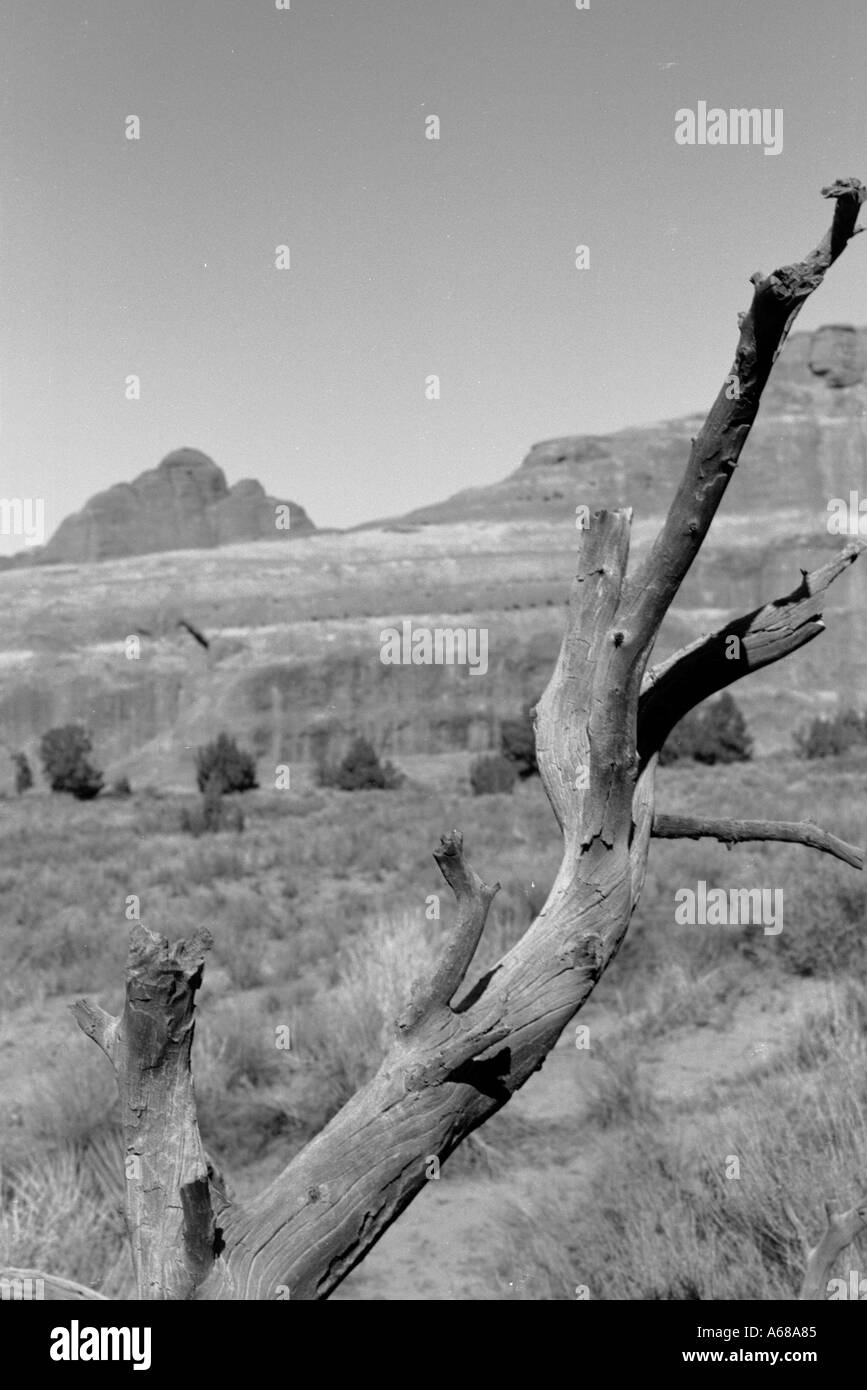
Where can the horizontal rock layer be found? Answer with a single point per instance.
(294, 667)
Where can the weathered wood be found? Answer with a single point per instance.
(167, 1200)
(473, 900)
(455, 1061)
(839, 1232)
(777, 300)
(459, 1066)
(674, 687)
(735, 832)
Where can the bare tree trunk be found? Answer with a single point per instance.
(456, 1058)
(168, 1199)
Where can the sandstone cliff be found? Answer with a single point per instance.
(294, 663)
(183, 504)
(808, 444)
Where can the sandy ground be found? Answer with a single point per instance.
(442, 1247)
(445, 1245)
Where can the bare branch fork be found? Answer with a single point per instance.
(455, 1061)
(674, 687)
(840, 1230)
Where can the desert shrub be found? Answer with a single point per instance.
(52, 1216)
(64, 752)
(23, 774)
(656, 1219)
(623, 1092)
(213, 813)
(345, 1032)
(515, 907)
(249, 930)
(70, 1099)
(492, 773)
(676, 997)
(518, 742)
(236, 1049)
(360, 770)
(827, 737)
(233, 769)
(823, 935)
(715, 733)
(241, 1126)
(192, 822)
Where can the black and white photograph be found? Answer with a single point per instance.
(433, 666)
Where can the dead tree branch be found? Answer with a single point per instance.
(839, 1233)
(735, 832)
(453, 1065)
(777, 300)
(746, 644)
(473, 898)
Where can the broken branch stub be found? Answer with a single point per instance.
(473, 901)
(167, 1204)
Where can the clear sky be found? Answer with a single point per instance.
(306, 127)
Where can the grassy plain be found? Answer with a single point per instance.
(609, 1170)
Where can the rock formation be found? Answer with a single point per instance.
(809, 443)
(183, 504)
(293, 667)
